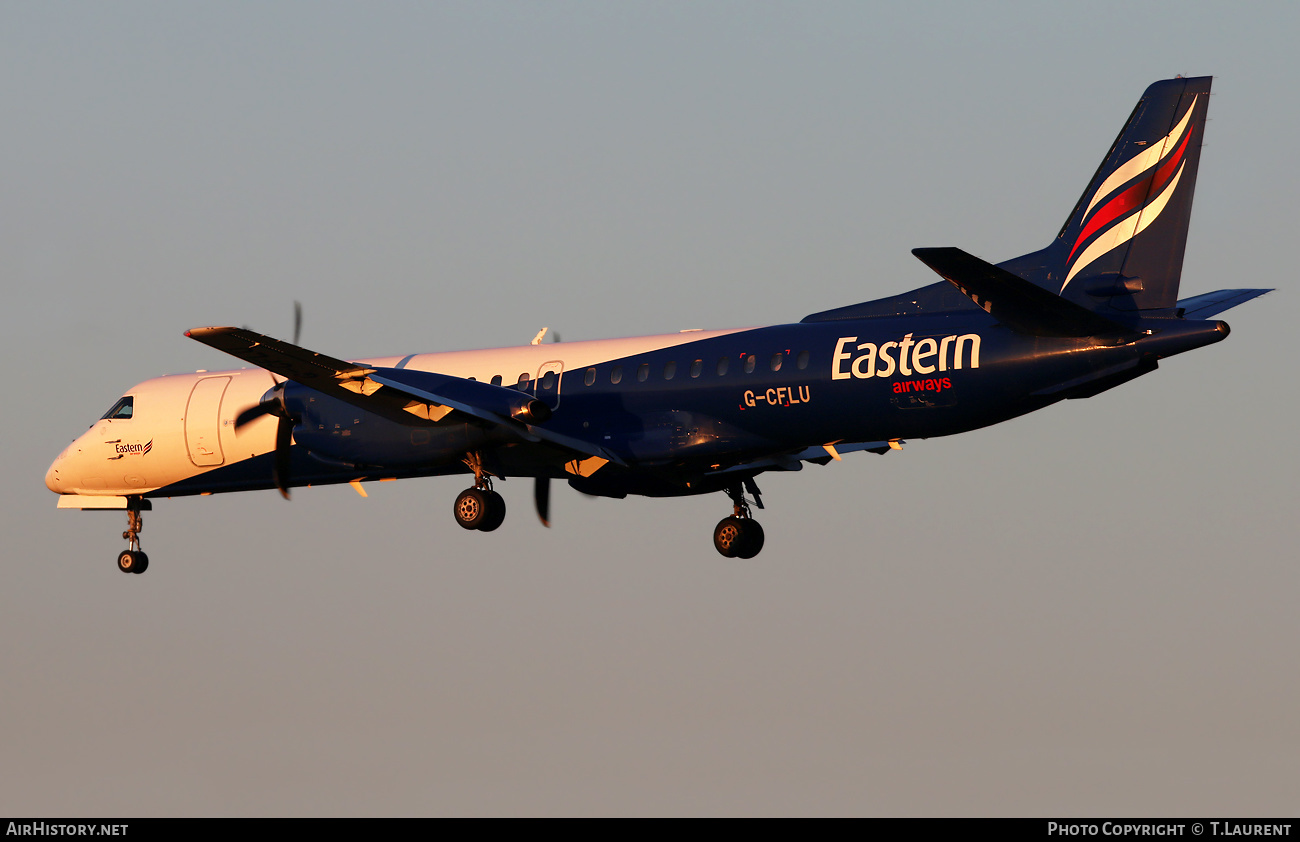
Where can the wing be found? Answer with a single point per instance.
(413, 398)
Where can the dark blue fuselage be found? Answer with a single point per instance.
(690, 418)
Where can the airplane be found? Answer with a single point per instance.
(700, 411)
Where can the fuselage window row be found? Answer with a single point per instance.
(590, 376)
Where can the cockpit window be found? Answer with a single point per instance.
(122, 409)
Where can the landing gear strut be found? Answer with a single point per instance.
(133, 559)
(740, 536)
(479, 507)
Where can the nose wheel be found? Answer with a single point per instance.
(739, 536)
(133, 559)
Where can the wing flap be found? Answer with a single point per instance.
(820, 454)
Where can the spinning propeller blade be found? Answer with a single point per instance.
(255, 412)
(542, 497)
(274, 405)
(283, 441)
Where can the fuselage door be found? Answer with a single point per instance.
(546, 388)
(203, 421)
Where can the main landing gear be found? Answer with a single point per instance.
(479, 507)
(740, 536)
(133, 559)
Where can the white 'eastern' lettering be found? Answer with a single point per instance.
(868, 359)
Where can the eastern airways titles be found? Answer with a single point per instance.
(922, 357)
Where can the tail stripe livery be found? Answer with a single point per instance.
(1126, 230)
(1133, 198)
(1140, 162)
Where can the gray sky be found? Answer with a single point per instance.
(1086, 611)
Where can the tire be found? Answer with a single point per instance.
(141, 562)
(751, 539)
(728, 536)
(472, 508)
(496, 512)
(127, 561)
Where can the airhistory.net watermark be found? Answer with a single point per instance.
(51, 829)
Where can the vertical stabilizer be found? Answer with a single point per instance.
(1122, 247)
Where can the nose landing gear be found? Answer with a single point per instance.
(479, 507)
(133, 559)
(739, 536)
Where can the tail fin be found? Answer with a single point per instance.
(1122, 247)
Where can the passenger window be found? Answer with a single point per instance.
(642, 372)
(616, 374)
(801, 362)
(548, 380)
(670, 370)
(723, 364)
(776, 361)
(522, 385)
(496, 380)
(121, 410)
(696, 368)
(589, 377)
(749, 364)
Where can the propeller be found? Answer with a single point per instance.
(274, 404)
(542, 497)
(542, 485)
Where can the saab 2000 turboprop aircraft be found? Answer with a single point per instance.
(698, 411)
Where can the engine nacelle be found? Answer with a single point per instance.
(339, 432)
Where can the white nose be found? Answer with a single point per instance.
(53, 479)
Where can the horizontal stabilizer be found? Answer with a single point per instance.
(1214, 303)
(1015, 302)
